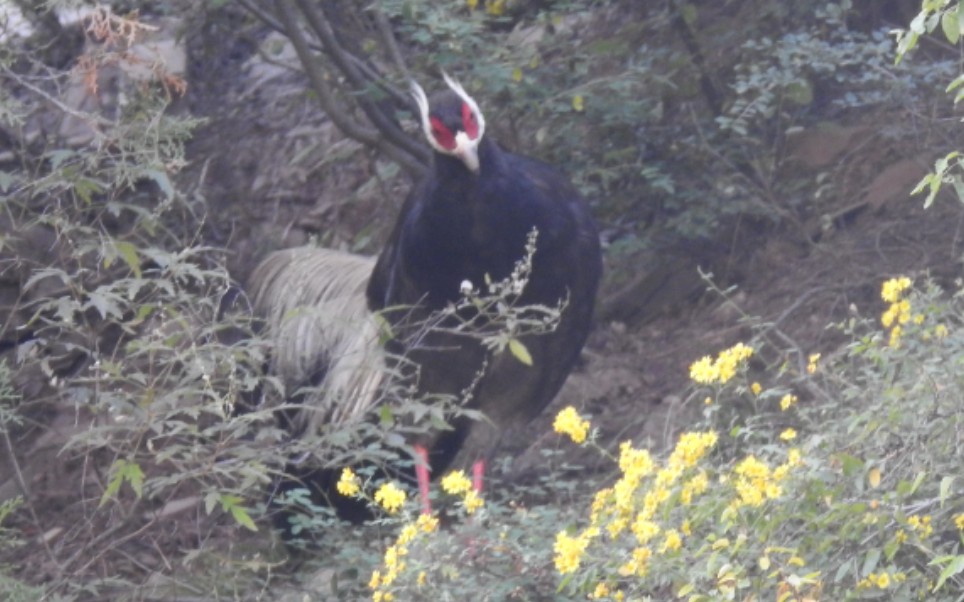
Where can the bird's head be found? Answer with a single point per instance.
(452, 122)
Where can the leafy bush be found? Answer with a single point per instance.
(831, 477)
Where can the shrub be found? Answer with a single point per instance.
(832, 477)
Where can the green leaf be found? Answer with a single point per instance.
(232, 505)
(385, 416)
(870, 562)
(58, 157)
(800, 92)
(951, 27)
(105, 303)
(955, 564)
(85, 188)
(128, 252)
(241, 516)
(906, 43)
(122, 470)
(946, 484)
(518, 349)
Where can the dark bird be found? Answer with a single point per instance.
(465, 225)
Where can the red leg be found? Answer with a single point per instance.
(478, 471)
(421, 473)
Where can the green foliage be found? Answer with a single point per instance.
(129, 333)
(868, 505)
(13, 589)
(121, 471)
(118, 321)
(8, 400)
(945, 14)
(831, 478)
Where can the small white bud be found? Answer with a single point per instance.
(466, 287)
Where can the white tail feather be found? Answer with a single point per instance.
(313, 302)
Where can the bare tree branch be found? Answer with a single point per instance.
(318, 19)
(320, 83)
(388, 38)
(400, 97)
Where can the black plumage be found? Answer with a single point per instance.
(469, 220)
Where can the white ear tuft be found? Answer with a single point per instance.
(422, 101)
(458, 89)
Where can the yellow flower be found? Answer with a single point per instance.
(390, 497)
(427, 523)
(794, 457)
(456, 483)
(634, 462)
(472, 4)
(599, 503)
(568, 422)
(789, 434)
(752, 468)
(691, 447)
(903, 311)
(638, 564)
(472, 502)
(883, 580)
(730, 359)
(616, 526)
(376, 580)
(756, 388)
(894, 340)
(693, 487)
(495, 7)
(569, 551)
(812, 363)
(707, 371)
(754, 483)
(653, 498)
(348, 483)
(407, 534)
(940, 331)
(420, 581)
(887, 318)
(959, 521)
(644, 529)
(672, 541)
(901, 536)
(788, 401)
(601, 591)
(704, 371)
(921, 524)
(892, 289)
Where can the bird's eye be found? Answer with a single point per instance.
(443, 135)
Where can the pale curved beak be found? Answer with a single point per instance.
(467, 150)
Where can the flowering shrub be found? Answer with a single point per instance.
(841, 483)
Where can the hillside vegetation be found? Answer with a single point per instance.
(768, 408)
